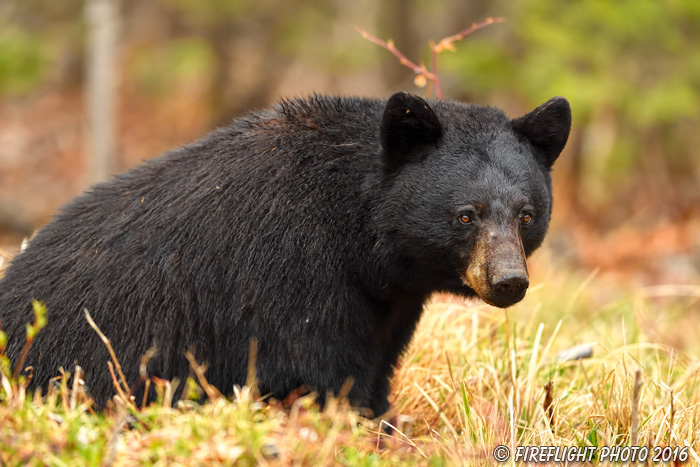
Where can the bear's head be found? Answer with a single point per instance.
(467, 192)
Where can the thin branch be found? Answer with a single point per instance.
(108, 344)
(447, 42)
(22, 357)
(143, 374)
(436, 81)
(146, 387)
(31, 331)
(251, 379)
(76, 387)
(211, 392)
(122, 395)
(389, 45)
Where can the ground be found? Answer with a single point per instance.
(473, 378)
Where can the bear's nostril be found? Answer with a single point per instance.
(512, 285)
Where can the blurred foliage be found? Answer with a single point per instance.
(641, 58)
(38, 39)
(186, 59)
(631, 70)
(24, 61)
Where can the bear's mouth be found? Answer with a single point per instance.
(501, 303)
(499, 286)
(505, 290)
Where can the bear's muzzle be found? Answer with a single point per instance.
(497, 269)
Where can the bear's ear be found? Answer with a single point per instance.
(408, 125)
(547, 127)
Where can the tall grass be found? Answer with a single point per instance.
(473, 378)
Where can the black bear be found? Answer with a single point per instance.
(317, 228)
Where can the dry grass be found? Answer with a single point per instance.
(5, 258)
(474, 377)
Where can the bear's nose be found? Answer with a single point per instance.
(510, 289)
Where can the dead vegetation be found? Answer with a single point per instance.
(474, 377)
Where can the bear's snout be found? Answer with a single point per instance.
(497, 269)
(509, 289)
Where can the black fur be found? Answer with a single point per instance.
(547, 128)
(302, 227)
(409, 127)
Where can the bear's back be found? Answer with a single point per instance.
(276, 198)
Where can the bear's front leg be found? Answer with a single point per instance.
(379, 403)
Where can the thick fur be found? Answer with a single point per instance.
(292, 226)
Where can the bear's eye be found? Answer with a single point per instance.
(466, 218)
(525, 218)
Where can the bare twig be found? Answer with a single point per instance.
(32, 330)
(446, 43)
(117, 365)
(170, 387)
(76, 387)
(120, 391)
(143, 375)
(146, 387)
(389, 45)
(22, 358)
(251, 378)
(211, 391)
(436, 81)
(64, 388)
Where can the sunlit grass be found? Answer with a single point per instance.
(474, 377)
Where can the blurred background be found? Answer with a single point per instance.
(120, 81)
